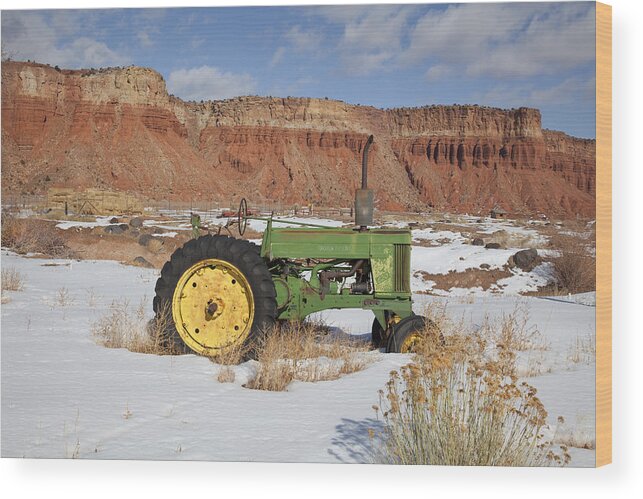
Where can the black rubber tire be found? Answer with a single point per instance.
(402, 330)
(407, 326)
(243, 255)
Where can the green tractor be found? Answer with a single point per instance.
(219, 291)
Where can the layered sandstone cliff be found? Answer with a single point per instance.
(119, 128)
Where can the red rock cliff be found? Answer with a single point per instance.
(119, 128)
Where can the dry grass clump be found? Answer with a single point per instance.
(12, 280)
(514, 333)
(574, 269)
(304, 352)
(123, 327)
(28, 235)
(63, 298)
(508, 239)
(229, 357)
(460, 403)
(583, 350)
(576, 436)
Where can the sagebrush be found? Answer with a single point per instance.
(12, 280)
(460, 403)
(574, 267)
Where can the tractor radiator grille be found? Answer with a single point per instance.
(402, 268)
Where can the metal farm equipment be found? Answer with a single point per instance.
(217, 291)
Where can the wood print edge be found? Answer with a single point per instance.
(603, 234)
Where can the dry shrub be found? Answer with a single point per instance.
(304, 352)
(28, 235)
(226, 375)
(513, 333)
(460, 403)
(123, 327)
(12, 280)
(583, 350)
(574, 269)
(228, 357)
(63, 298)
(575, 436)
(536, 365)
(508, 239)
(155, 245)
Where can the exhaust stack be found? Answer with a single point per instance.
(364, 196)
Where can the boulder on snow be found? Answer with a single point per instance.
(492, 246)
(478, 241)
(525, 259)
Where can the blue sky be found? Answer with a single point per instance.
(506, 55)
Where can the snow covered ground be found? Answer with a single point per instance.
(99, 222)
(65, 396)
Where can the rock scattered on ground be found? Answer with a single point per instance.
(145, 239)
(116, 229)
(139, 261)
(525, 259)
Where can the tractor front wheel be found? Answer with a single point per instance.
(214, 293)
(410, 332)
(379, 335)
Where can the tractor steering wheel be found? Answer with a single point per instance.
(242, 215)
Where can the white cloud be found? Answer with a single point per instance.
(144, 38)
(26, 35)
(438, 72)
(277, 56)
(573, 91)
(372, 39)
(299, 41)
(304, 40)
(208, 83)
(569, 90)
(87, 52)
(505, 40)
(497, 40)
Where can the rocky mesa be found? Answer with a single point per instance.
(118, 128)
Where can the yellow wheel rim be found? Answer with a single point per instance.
(213, 306)
(411, 342)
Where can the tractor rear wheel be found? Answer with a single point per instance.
(214, 293)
